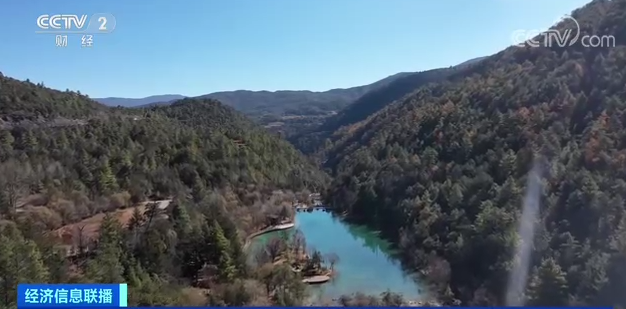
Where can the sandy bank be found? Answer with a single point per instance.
(316, 279)
(284, 226)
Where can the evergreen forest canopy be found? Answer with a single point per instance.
(313, 139)
(438, 164)
(67, 161)
(443, 171)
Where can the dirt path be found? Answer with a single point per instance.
(279, 227)
(316, 279)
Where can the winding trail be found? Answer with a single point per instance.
(319, 279)
(273, 228)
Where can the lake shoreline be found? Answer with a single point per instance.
(317, 279)
(273, 228)
(335, 233)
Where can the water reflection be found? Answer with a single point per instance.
(366, 262)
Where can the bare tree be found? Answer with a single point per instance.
(316, 259)
(152, 210)
(265, 273)
(298, 242)
(287, 212)
(438, 270)
(274, 247)
(391, 299)
(332, 259)
(205, 276)
(261, 256)
(80, 237)
(12, 183)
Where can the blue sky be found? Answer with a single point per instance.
(194, 47)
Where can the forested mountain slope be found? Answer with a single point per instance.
(378, 98)
(314, 139)
(311, 140)
(201, 137)
(443, 172)
(27, 101)
(218, 167)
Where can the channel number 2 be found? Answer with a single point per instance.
(103, 23)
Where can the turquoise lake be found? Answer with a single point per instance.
(366, 262)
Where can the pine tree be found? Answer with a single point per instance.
(106, 267)
(63, 141)
(181, 220)
(222, 252)
(548, 286)
(29, 141)
(20, 262)
(6, 144)
(236, 252)
(106, 180)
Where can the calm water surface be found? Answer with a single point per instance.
(366, 263)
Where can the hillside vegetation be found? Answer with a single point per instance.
(65, 158)
(28, 101)
(313, 139)
(443, 171)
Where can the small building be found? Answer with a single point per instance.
(239, 143)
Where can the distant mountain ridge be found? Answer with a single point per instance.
(257, 103)
(295, 102)
(130, 102)
(280, 102)
(302, 116)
